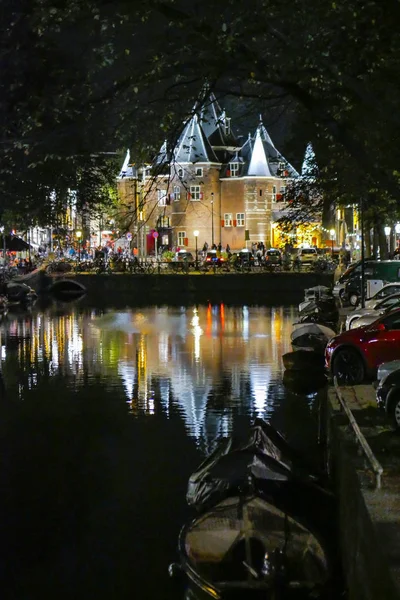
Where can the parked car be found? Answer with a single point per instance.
(243, 258)
(387, 290)
(365, 316)
(184, 256)
(386, 368)
(307, 255)
(273, 258)
(348, 286)
(388, 396)
(354, 355)
(213, 259)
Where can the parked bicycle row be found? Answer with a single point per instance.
(185, 262)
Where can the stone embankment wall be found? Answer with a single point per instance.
(370, 565)
(249, 287)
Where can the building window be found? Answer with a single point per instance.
(240, 219)
(162, 197)
(181, 238)
(163, 222)
(177, 193)
(234, 169)
(199, 172)
(195, 193)
(228, 220)
(181, 173)
(274, 193)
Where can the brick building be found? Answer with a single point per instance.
(228, 191)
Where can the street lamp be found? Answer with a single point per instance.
(387, 233)
(4, 245)
(196, 235)
(397, 230)
(332, 234)
(212, 219)
(79, 235)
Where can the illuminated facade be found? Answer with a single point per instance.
(228, 191)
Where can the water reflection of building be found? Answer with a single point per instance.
(186, 360)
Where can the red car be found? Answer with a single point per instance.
(354, 355)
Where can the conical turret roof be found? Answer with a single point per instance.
(263, 159)
(127, 169)
(193, 146)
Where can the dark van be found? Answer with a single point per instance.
(377, 273)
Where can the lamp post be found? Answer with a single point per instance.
(397, 230)
(332, 234)
(212, 219)
(79, 235)
(387, 233)
(4, 244)
(196, 235)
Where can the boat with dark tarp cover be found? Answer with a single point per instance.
(257, 533)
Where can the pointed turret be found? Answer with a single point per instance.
(263, 158)
(193, 146)
(210, 115)
(258, 161)
(127, 169)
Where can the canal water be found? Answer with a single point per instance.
(104, 415)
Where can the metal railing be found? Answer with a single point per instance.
(375, 464)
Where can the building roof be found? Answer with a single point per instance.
(210, 115)
(207, 138)
(127, 169)
(193, 146)
(263, 159)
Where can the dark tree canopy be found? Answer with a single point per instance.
(84, 78)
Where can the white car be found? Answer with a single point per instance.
(307, 255)
(386, 290)
(364, 316)
(387, 367)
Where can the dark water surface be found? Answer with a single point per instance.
(103, 417)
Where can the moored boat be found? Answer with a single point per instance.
(303, 359)
(247, 547)
(257, 533)
(17, 292)
(300, 382)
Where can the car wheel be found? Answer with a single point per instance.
(394, 410)
(348, 367)
(353, 299)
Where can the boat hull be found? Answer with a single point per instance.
(235, 550)
(301, 359)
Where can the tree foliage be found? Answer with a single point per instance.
(82, 78)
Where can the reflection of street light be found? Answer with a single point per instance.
(332, 234)
(79, 235)
(196, 235)
(212, 219)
